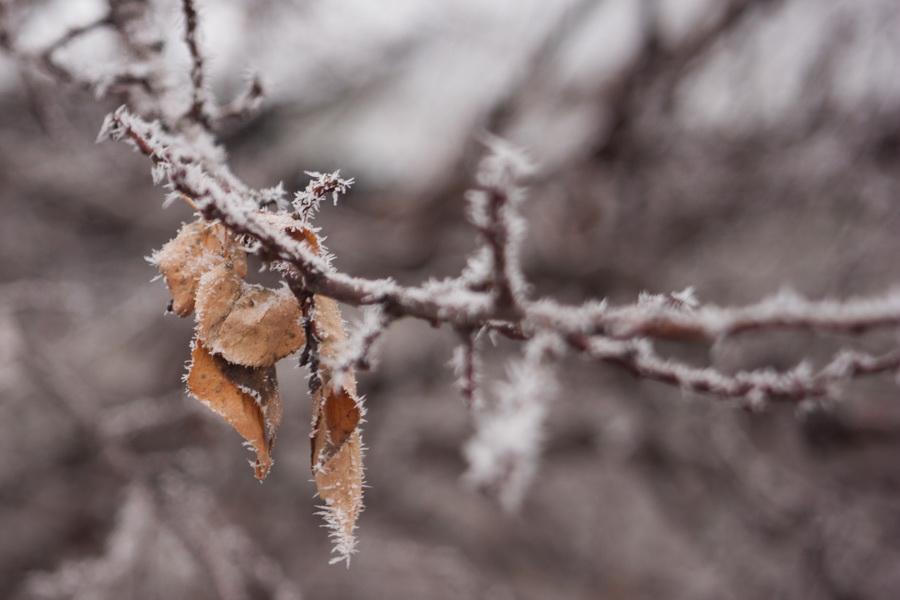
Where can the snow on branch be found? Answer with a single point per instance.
(504, 450)
(785, 310)
(494, 210)
(320, 187)
(802, 382)
(466, 364)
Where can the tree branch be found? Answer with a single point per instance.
(614, 335)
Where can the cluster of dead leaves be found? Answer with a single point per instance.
(241, 331)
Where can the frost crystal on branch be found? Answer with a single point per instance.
(306, 203)
(504, 451)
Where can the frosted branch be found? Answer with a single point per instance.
(614, 334)
(639, 358)
(320, 187)
(466, 365)
(503, 453)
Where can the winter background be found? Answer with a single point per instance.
(681, 143)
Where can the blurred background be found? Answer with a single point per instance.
(742, 147)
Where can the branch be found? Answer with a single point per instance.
(709, 323)
(467, 367)
(493, 210)
(640, 359)
(200, 105)
(244, 105)
(614, 335)
(46, 61)
(47, 56)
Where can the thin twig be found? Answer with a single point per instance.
(199, 110)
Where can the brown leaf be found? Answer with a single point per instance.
(247, 324)
(198, 247)
(340, 484)
(336, 443)
(336, 407)
(247, 398)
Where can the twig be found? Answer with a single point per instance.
(200, 106)
(640, 359)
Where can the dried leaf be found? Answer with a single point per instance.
(337, 410)
(336, 443)
(247, 324)
(198, 247)
(247, 398)
(340, 482)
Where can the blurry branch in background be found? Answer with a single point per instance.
(648, 80)
(119, 82)
(491, 295)
(657, 65)
(203, 109)
(199, 111)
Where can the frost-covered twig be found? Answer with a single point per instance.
(503, 452)
(639, 358)
(320, 187)
(466, 365)
(494, 211)
(785, 310)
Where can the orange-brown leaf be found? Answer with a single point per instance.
(198, 247)
(340, 484)
(337, 410)
(247, 324)
(247, 398)
(336, 443)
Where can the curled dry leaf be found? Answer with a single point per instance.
(246, 397)
(198, 247)
(247, 324)
(336, 443)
